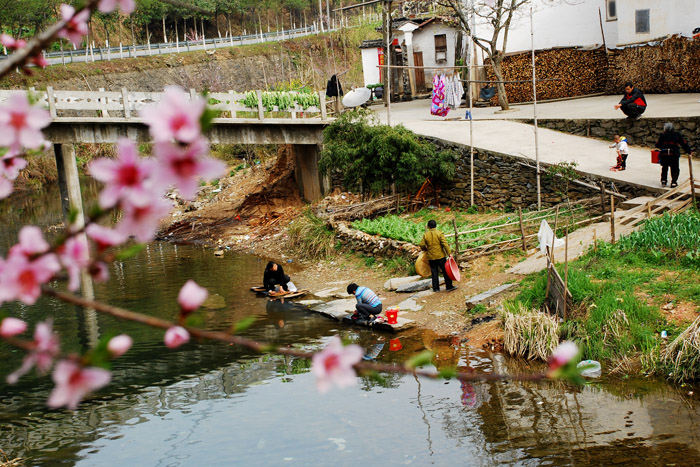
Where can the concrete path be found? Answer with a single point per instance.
(592, 155)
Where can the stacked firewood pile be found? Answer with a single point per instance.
(569, 72)
(664, 67)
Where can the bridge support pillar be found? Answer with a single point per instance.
(72, 200)
(310, 181)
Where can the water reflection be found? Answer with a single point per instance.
(215, 404)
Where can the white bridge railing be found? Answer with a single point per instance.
(128, 104)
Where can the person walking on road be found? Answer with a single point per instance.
(436, 248)
(669, 145)
(633, 103)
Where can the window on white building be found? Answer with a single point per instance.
(611, 10)
(440, 47)
(641, 21)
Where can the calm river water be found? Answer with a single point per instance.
(211, 404)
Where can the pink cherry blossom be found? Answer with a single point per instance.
(182, 166)
(11, 327)
(76, 26)
(31, 242)
(74, 256)
(175, 117)
(107, 6)
(21, 123)
(125, 177)
(46, 347)
(22, 278)
(119, 345)
(6, 187)
(74, 382)
(142, 221)
(334, 365)
(40, 61)
(191, 296)
(104, 237)
(176, 336)
(99, 271)
(11, 165)
(11, 43)
(562, 355)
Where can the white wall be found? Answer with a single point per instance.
(565, 23)
(370, 60)
(424, 41)
(665, 17)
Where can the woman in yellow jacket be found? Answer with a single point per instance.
(436, 248)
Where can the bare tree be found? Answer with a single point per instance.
(497, 16)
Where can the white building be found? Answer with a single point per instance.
(427, 43)
(583, 23)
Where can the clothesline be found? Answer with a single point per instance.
(510, 81)
(432, 67)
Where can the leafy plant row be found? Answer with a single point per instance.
(283, 100)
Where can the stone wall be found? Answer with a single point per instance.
(503, 181)
(643, 132)
(374, 245)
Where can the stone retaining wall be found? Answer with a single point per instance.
(503, 181)
(642, 132)
(374, 245)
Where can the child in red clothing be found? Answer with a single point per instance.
(620, 145)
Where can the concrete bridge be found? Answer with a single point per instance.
(104, 117)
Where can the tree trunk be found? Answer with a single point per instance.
(165, 36)
(133, 36)
(497, 62)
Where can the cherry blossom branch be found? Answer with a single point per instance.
(41, 41)
(260, 347)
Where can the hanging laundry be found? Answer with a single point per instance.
(453, 91)
(438, 107)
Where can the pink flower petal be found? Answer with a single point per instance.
(176, 336)
(191, 296)
(334, 365)
(565, 352)
(11, 327)
(119, 345)
(73, 383)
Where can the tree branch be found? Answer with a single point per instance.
(270, 348)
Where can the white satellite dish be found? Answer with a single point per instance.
(356, 97)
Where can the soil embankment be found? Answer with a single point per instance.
(306, 61)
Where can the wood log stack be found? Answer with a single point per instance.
(668, 66)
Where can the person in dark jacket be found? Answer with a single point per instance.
(274, 276)
(669, 145)
(633, 103)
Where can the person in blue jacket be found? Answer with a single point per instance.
(368, 305)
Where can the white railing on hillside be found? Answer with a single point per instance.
(128, 104)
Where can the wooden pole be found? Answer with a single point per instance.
(454, 224)
(692, 182)
(602, 197)
(522, 229)
(612, 219)
(554, 237)
(549, 276)
(534, 112)
(566, 270)
(648, 210)
(595, 242)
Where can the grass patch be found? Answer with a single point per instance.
(612, 320)
(530, 334)
(310, 237)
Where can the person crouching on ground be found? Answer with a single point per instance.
(274, 277)
(633, 103)
(669, 146)
(620, 145)
(436, 248)
(368, 305)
